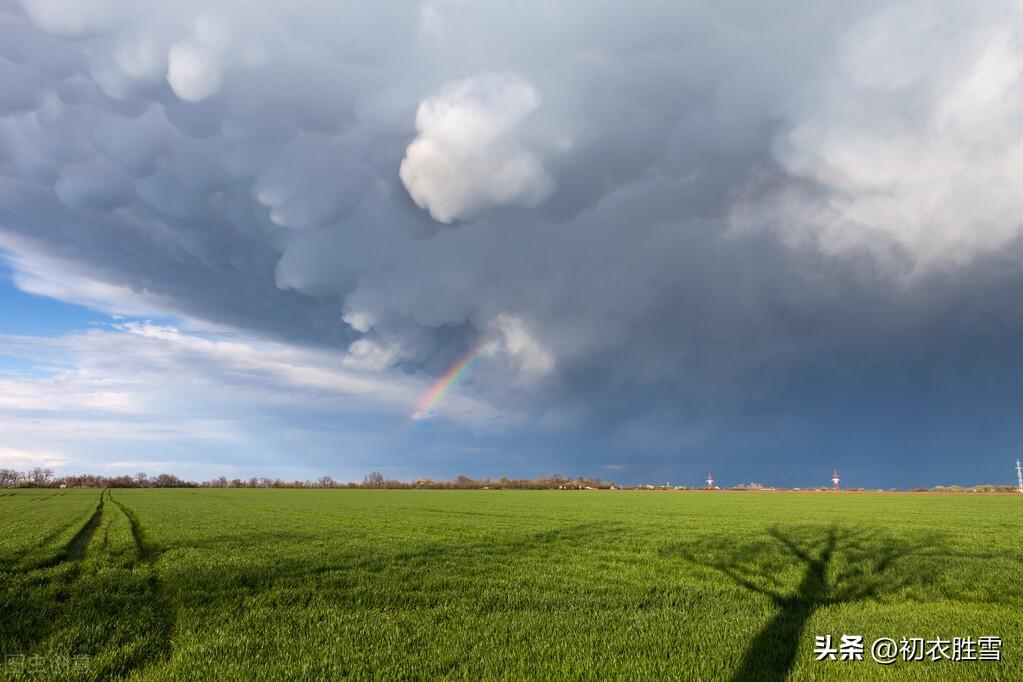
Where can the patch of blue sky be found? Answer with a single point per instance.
(13, 366)
(26, 314)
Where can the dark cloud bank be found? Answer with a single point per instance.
(762, 237)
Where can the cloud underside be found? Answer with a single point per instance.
(685, 204)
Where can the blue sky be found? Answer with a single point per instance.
(695, 237)
(24, 313)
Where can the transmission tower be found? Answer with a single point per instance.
(710, 482)
(835, 480)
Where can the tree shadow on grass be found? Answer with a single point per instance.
(835, 565)
(335, 574)
(122, 610)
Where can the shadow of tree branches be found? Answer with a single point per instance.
(801, 569)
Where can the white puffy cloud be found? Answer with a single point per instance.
(910, 143)
(358, 320)
(467, 156)
(511, 339)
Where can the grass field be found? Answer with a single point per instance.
(305, 584)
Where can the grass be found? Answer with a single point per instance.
(306, 584)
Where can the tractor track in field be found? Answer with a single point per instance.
(60, 530)
(93, 571)
(70, 555)
(147, 551)
(76, 549)
(166, 614)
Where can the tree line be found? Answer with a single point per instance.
(46, 478)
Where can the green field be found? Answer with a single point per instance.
(307, 584)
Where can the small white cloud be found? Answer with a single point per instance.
(358, 320)
(370, 356)
(512, 340)
(467, 156)
(193, 71)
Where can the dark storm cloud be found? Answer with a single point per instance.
(658, 209)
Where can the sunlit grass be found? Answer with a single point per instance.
(290, 584)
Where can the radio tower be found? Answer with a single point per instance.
(835, 480)
(710, 482)
(1019, 475)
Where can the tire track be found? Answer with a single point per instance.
(164, 611)
(76, 549)
(148, 551)
(48, 585)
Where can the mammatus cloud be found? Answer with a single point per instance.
(192, 71)
(75, 19)
(659, 217)
(466, 157)
(910, 141)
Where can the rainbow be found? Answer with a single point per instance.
(444, 383)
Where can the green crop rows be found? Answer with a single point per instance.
(307, 584)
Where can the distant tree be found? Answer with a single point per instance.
(39, 477)
(374, 480)
(326, 482)
(9, 478)
(141, 479)
(167, 481)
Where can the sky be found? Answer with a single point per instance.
(647, 240)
